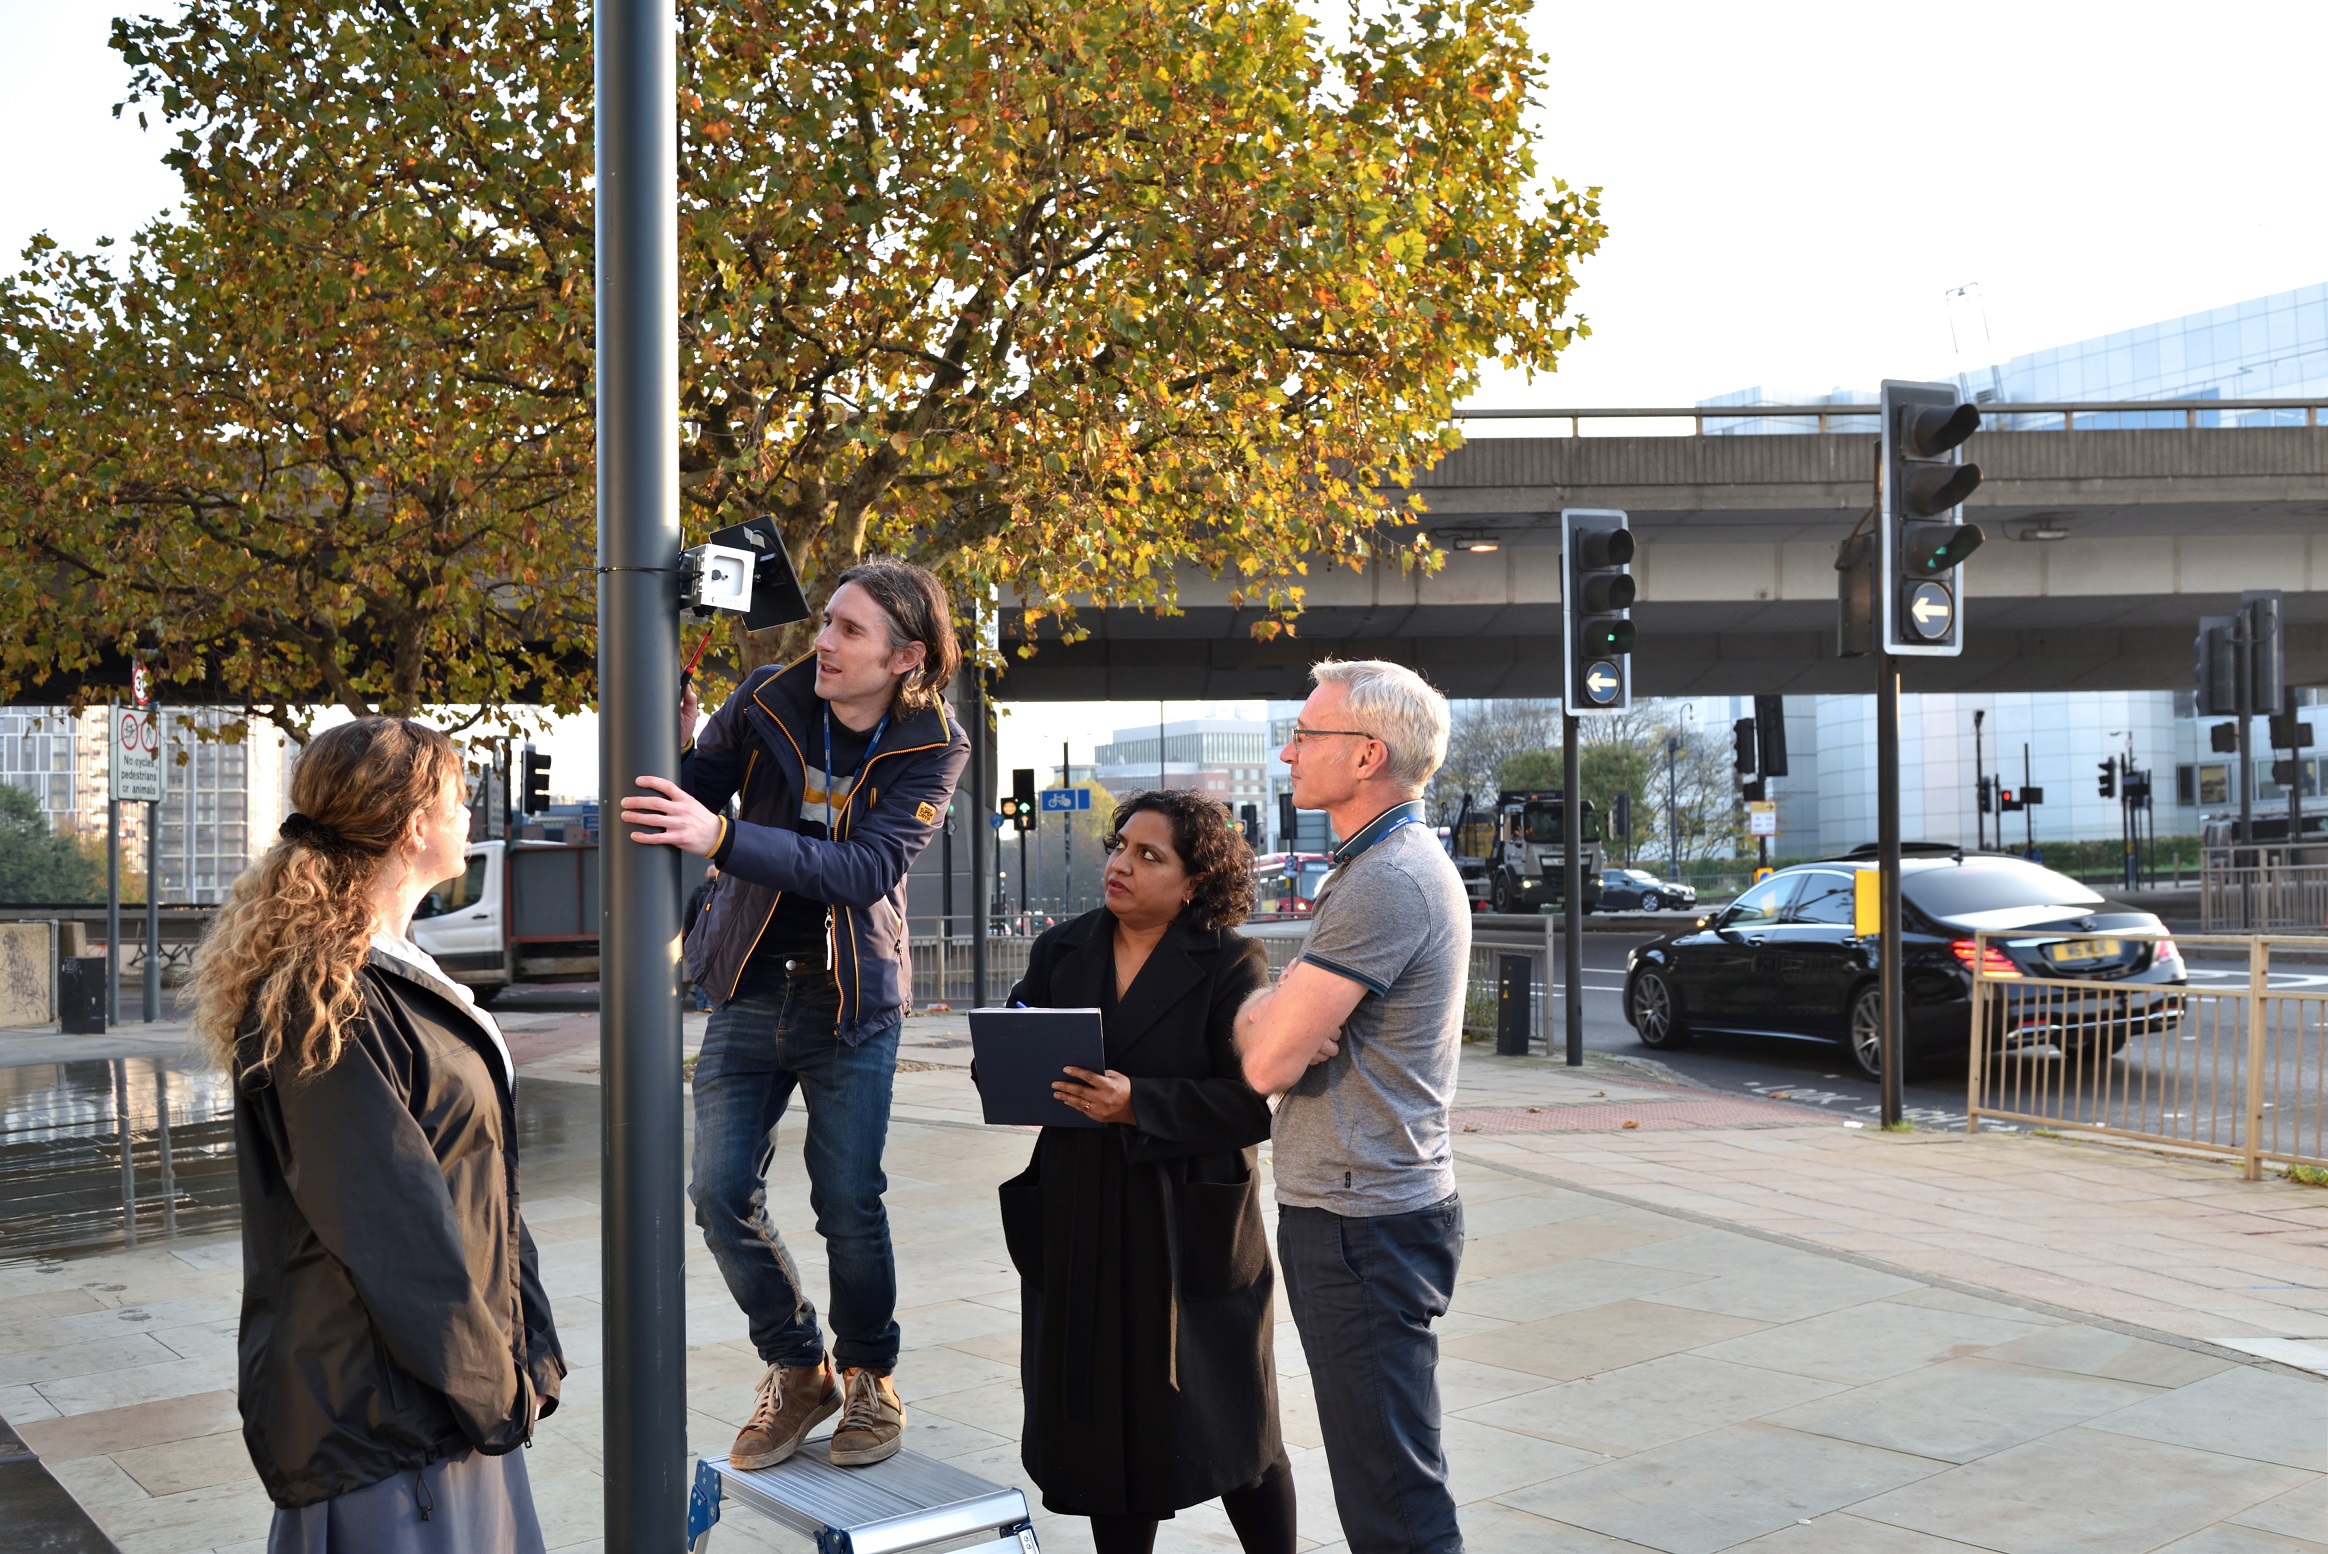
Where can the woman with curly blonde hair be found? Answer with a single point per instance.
(396, 1343)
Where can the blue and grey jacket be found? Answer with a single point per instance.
(756, 749)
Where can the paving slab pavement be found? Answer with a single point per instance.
(1734, 1325)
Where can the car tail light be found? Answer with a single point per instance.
(1985, 959)
(2166, 951)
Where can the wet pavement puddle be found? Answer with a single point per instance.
(106, 1154)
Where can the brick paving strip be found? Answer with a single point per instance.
(1735, 1326)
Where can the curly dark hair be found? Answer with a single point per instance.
(1212, 849)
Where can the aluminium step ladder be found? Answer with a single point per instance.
(908, 1502)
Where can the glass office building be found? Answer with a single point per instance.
(2270, 348)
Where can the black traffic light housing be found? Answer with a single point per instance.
(535, 785)
(1770, 734)
(1743, 752)
(1921, 536)
(1596, 605)
(1020, 806)
(2107, 783)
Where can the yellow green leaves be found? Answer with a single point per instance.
(1060, 302)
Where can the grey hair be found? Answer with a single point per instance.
(1396, 706)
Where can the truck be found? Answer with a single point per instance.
(1513, 855)
(517, 912)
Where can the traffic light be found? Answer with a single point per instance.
(2008, 802)
(1020, 806)
(1770, 734)
(1922, 538)
(1249, 820)
(1988, 795)
(1288, 826)
(2108, 781)
(2138, 789)
(536, 784)
(2218, 670)
(1596, 603)
(1744, 754)
(2223, 739)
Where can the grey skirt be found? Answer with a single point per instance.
(469, 1504)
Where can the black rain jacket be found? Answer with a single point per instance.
(392, 1313)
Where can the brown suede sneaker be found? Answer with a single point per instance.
(872, 1426)
(791, 1403)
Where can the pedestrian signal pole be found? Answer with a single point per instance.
(1596, 614)
(1902, 597)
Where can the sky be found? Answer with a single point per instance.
(1790, 190)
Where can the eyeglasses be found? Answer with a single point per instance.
(1301, 735)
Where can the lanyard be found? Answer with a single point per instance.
(1407, 814)
(866, 760)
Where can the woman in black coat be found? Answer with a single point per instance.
(1145, 1352)
(396, 1345)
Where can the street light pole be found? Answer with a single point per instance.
(1980, 789)
(1672, 808)
(642, 1283)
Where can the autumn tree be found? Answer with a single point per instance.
(1054, 299)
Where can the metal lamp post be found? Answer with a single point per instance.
(638, 682)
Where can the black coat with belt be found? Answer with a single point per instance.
(1145, 1351)
(392, 1312)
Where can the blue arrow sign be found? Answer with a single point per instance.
(1602, 682)
(1055, 799)
(1932, 610)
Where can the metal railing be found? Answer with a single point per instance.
(943, 971)
(2257, 889)
(2234, 1062)
(2194, 413)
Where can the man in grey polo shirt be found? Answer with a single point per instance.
(1360, 1036)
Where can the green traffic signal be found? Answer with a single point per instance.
(1934, 548)
(1608, 636)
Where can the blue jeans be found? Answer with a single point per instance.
(756, 1051)
(1364, 1293)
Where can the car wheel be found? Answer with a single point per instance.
(1866, 1032)
(1652, 902)
(1657, 1013)
(1499, 899)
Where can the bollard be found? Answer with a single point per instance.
(1515, 994)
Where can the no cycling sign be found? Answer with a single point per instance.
(136, 742)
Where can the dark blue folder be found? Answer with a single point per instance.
(1021, 1053)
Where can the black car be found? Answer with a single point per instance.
(1637, 890)
(1783, 960)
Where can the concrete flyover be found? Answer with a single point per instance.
(2104, 548)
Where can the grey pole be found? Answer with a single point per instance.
(113, 902)
(2243, 660)
(1572, 889)
(153, 955)
(1887, 847)
(981, 829)
(638, 688)
(2296, 787)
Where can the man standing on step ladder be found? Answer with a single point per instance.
(841, 764)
